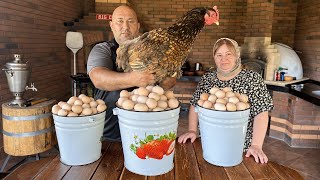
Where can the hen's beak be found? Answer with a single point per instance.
(217, 23)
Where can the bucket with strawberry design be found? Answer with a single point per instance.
(148, 140)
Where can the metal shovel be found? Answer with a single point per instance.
(74, 42)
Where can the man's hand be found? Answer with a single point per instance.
(142, 79)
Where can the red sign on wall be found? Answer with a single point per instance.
(103, 16)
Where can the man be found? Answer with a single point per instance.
(103, 72)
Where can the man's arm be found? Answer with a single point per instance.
(108, 80)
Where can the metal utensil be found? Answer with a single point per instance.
(74, 42)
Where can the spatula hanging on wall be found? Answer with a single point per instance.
(74, 42)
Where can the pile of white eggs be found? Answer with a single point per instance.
(79, 106)
(224, 99)
(150, 98)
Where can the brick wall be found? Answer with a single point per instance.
(307, 37)
(295, 121)
(259, 18)
(36, 31)
(284, 21)
(164, 13)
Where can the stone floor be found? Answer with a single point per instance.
(305, 160)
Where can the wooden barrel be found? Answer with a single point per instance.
(28, 130)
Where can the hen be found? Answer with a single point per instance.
(164, 51)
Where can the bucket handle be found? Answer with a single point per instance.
(115, 111)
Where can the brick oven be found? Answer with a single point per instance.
(257, 53)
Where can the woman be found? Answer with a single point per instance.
(229, 73)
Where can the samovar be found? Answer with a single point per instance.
(18, 76)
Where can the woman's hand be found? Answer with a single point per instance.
(257, 153)
(189, 135)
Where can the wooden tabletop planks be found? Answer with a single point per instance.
(188, 164)
(207, 170)
(29, 170)
(55, 170)
(111, 165)
(259, 171)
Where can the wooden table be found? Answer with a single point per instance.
(188, 164)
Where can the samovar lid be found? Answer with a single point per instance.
(17, 63)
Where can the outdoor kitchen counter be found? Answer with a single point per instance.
(188, 164)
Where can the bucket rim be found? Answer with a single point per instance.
(80, 116)
(220, 110)
(147, 111)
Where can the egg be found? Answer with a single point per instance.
(220, 107)
(237, 94)
(149, 88)
(154, 95)
(72, 99)
(227, 89)
(119, 102)
(94, 110)
(66, 106)
(241, 106)
(124, 93)
(135, 91)
(87, 111)
(163, 97)
(81, 96)
(78, 102)
(142, 91)
(128, 105)
(233, 100)
(200, 102)
(60, 103)
(231, 107)
(93, 104)
(220, 94)
(142, 99)
(157, 89)
(140, 107)
(204, 96)
(162, 104)
(207, 104)
(72, 114)
(230, 94)
(243, 98)
(85, 105)
(76, 109)
(212, 98)
(213, 90)
(91, 99)
(134, 97)
(169, 94)
(158, 109)
(173, 103)
(62, 112)
(151, 103)
(99, 101)
(248, 105)
(222, 101)
(55, 109)
(101, 107)
(86, 99)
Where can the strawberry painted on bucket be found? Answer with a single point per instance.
(154, 146)
(148, 133)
